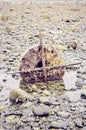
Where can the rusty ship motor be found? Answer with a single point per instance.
(38, 63)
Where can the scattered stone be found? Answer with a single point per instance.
(67, 21)
(45, 100)
(83, 48)
(11, 118)
(84, 116)
(34, 87)
(46, 93)
(73, 96)
(82, 70)
(1, 87)
(63, 114)
(1, 108)
(83, 93)
(4, 80)
(80, 82)
(72, 45)
(58, 125)
(41, 110)
(78, 123)
(17, 95)
(82, 76)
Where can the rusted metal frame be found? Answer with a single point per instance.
(43, 57)
(47, 68)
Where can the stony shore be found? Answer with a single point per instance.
(55, 105)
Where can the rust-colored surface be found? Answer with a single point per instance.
(34, 59)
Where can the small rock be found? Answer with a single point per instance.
(34, 87)
(4, 80)
(25, 128)
(84, 116)
(63, 114)
(45, 100)
(17, 95)
(58, 124)
(1, 87)
(82, 70)
(72, 45)
(83, 48)
(67, 21)
(10, 118)
(80, 82)
(46, 92)
(1, 108)
(78, 123)
(73, 96)
(41, 110)
(84, 87)
(83, 93)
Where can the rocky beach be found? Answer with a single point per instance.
(55, 104)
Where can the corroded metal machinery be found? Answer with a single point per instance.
(42, 63)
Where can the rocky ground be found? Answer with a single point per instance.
(55, 105)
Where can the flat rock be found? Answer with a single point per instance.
(41, 110)
(80, 82)
(83, 93)
(58, 124)
(17, 95)
(63, 114)
(73, 96)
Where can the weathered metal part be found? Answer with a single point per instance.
(33, 70)
(43, 57)
(47, 68)
(34, 65)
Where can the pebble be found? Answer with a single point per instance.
(41, 110)
(46, 93)
(17, 95)
(34, 87)
(83, 93)
(72, 45)
(80, 82)
(73, 96)
(1, 87)
(78, 123)
(45, 100)
(58, 124)
(63, 114)
(1, 108)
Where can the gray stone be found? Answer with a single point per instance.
(48, 100)
(58, 124)
(83, 93)
(84, 116)
(25, 128)
(63, 114)
(80, 82)
(78, 123)
(41, 110)
(44, 99)
(82, 70)
(82, 76)
(73, 96)
(83, 48)
(17, 95)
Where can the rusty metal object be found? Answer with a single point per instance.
(41, 64)
(32, 68)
